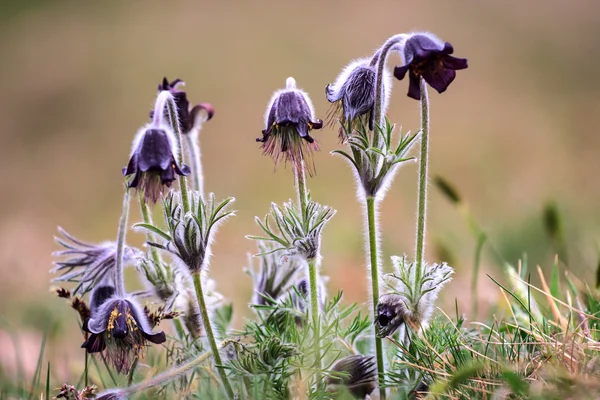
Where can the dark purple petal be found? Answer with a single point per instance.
(455, 63)
(154, 151)
(440, 79)
(291, 109)
(94, 344)
(414, 88)
(318, 124)
(400, 72)
(131, 166)
(167, 176)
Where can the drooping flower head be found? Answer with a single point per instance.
(289, 119)
(425, 55)
(353, 94)
(87, 263)
(188, 118)
(409, 302)
(355, 374)
(154, 155)
(119, 327)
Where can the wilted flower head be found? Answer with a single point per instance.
(187, 117)
(119, 327)
(289, 119)
(87, 263)
(154, 154)
(353, 93)
(409, 301)
(355, 374)
(425, 55)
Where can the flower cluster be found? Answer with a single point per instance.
(299, 343)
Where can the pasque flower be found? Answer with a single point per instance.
(187, 116)
(118, 326)
(355, 374)
(425, 55)
(289, 119)
(154, 155)
(87, 263)
(353, 93)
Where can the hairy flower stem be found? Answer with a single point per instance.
(193, 148)
(382, 55)
(372, 233)
(209, 333)
(301, 187)
(147, 218)
(314, 308)
(119, 277)
(422, 200)
(145, 211)
(312, 263)
(174, 121)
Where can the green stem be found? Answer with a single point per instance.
(314, 308)
(147, 218)
(422, 200)
(210, 335)
(174, 121)
(119, 277)
(375, 288)
(301, 187)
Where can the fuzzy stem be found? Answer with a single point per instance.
(119, 278)
(382, 55)
(372, 233)
(301, 187)
(422, 201)
(193, 148)
(174, 122)
(210, 335)
(147, 218)
(314, 307)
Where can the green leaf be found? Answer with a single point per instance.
(555, 281)
(153, 229)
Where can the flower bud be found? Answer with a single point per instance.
(355, 374)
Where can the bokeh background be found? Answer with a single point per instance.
(517, 130)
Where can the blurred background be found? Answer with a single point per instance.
(515, 132)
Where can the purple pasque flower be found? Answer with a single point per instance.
(289, 119)
(153, 160)
(187, 117)
(87, 263)
(353, 93)
(425, 55)
(119, 327)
